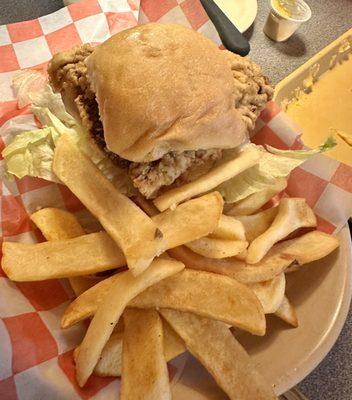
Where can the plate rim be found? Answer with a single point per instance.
(255, 3)
(248, 3)
(327, 344)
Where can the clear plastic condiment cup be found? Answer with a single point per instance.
(283, 21)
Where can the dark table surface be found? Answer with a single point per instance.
(332, 380)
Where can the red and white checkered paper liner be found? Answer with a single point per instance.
(35, 354)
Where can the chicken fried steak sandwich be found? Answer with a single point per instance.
(161, 100)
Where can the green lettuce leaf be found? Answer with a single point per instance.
(273, 164)
(31, 153)
(329, 144)
(32, 87)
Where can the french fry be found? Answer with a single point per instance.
(241, 256)
(109, 363)
(287, 313)
(134, 232)
(213, 344)
(146, 205)
(110, 360)
(313, 246)
(255, 201)
(211, 295)
(113, 345)
(82, 255)
(229, 228)
(292, 214)
(85, 305)
(270, 293)
(227, 170)
(57, 224)
(125, 288)
(144, 370)
(292, 268)
(217, 248)
(186, 222)
(308, 248)
(256, 224)
(270, 266)
(173, 344)
(80, 284)
(188, 217)
(97, 252)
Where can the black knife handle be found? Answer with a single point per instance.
(230, 36)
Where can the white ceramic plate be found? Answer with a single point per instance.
(321, 293)
(241, 13)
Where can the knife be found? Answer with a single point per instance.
(230, 36)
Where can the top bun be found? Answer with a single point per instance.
(162, 88)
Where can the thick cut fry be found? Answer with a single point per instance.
(211, 295)
(86, 304)
(98, 252)
(110, 360)
(125, 288)
(191, 220)
(229, 228)
(305, 249)
(109, 363)
(246, 159)
(241, 256)
(287, 313)
(213, 344)
(311, 247)
(83, 255)
(112, 345)
(294, 267)
(146, 205)
(207, 294)
(173, 344)
(292, 214)
(256, 224)
(80, 284)
(270, 293)
(57, 224)
(134, 232)
(144, 370)
(271, 266)
(255, 201)
(217, 248)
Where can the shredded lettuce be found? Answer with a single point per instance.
(329, 144)
(32, 87)
(31, 153)
(273, 164)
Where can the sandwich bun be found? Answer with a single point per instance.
(162, 88)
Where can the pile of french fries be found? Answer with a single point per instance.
(193, 272)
